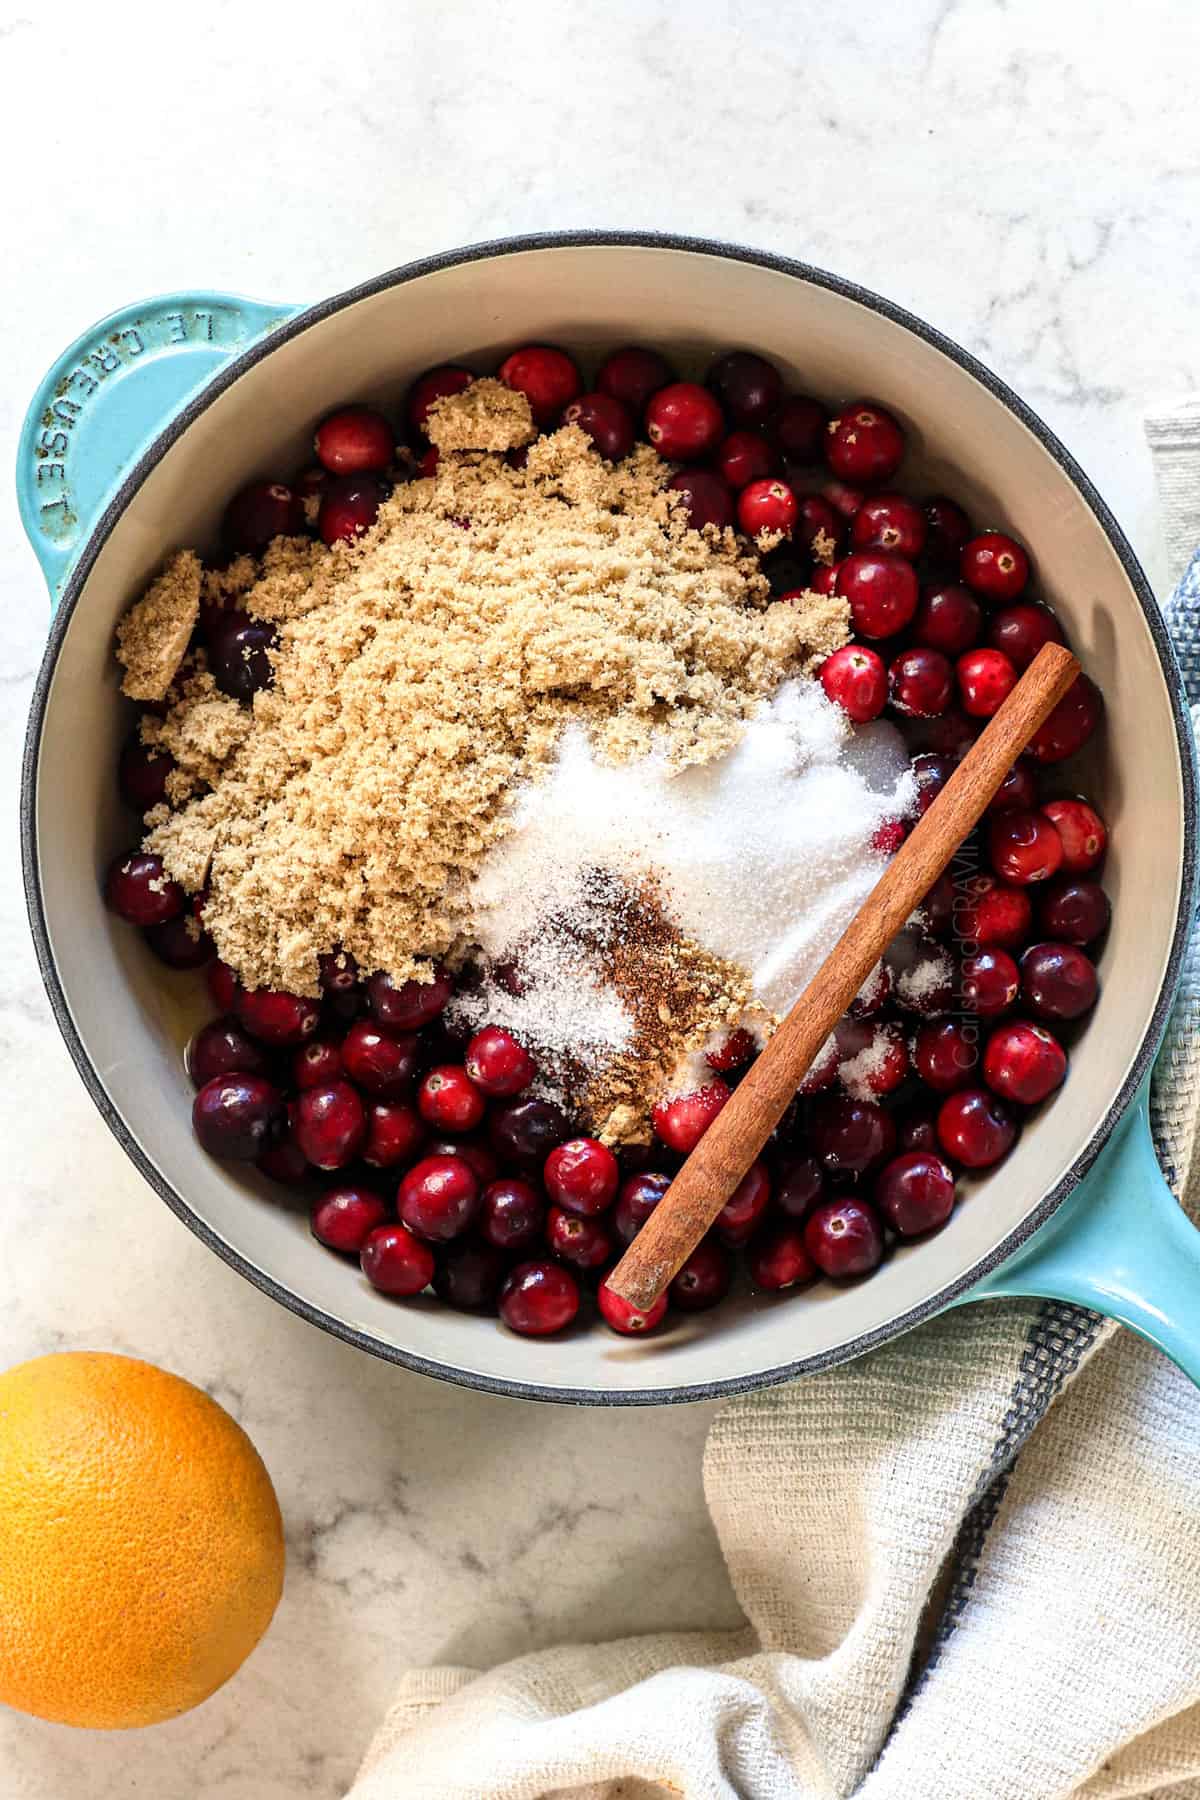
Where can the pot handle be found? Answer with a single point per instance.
(107, 398)
(1121, 1244)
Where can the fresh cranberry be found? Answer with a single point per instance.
(767, 506)
(1082, 832)
(539, 1298)
(872, 995)
(916, 1129)
(915, 1193)
(317, 1063)
(349, 507)
(584, 1243)
(605, 421)
(747, 386)
(864, 444)
(708, 500)
(346, 1216)
(743, 457)
(636, 1201)
(846, 501)
(338, 972)
(993, 915)
(475, 1153)
(985, 680)
(222, 985)
(889, 522)
(920, 683)
(498, 1065)
(799, 1185)
(382, 1062)
(220, 1048)
(396, 1262)
(684, 422)
(950, 734)
(525, 1131)
(844, 1239)
(469, 1276)
(949, 529)
(354, 439)
(925, 982)
(438, 1198)
(449, 1100)
(1021, 631)
(874, 1059)
(1075, 911)
(239, 656)
(779, 1258)
(629, 1320)
(1024, 1063)
(285, 1162)
(237, 1115)
(817, 529)
(856, 679)
(948, 618)
(179, 943)
(850, 1136)
(931, 773)
(435, 384)
(395, 1132)
(632, 375)
(936, 911)
(329, 1124)
(822, 1071)
(991, 982)
(735, 1222)
(704, 1279)
(823, 580)
(975, 1128)
(512, 1214)
(881, 590)
(994, 565)
(739, 1048)
(1058, 981)
(1023, 847)
(547, 377)
(582, 1176)
(407, 1005)
(142, 774)
(945, 1054)
(799, 428)
(276, 1018)
(682, 1120)
(139, 890)
(1019, 788)
(258, 514)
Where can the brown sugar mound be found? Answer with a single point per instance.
(153, 636)
(425, 670)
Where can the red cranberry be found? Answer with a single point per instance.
(1021, 631)
(179, 943)
(354, 439)
(1058, 981)
(547, 377)
(975, 1128)
(525, 1131)
(799, 1185)
(469, 1277)
(220, 1048)
(993, 915)
(435, 384)
(799, 428)
(874, 1059)
(329, 1124)
(682, 1120)
(498, 1064)
(637, 1200)
(395, 1132)
(925, 984)
(1019, 788)
(739, 1048)
(605, 421)
(936, 911)
(539, 1298)
(1023, 847)
(845, 501)
(931, 772)
(779, 1259)
(823, 580)
(994, 565)
(822, 1071)
(864, 444)
(1081, 831)
(396, 1262)
(438, 1198)
(948, 618)
(949, 529)
(346, 1216)
(142, 774)
(1075, 911)
(582, 1176)
(916, 1129)
(279, 1019)
(990, 983)
(889, 522)
(950, 734)
(474, 1152)
(856, 679)
(629, 1320)
(222, 985)
(1024, 1063)
(888, 836)
(736, 1221)
(851, 1136)
(985, 680)
(139, 890)
(349, 507)
(317, 1063)
(632, 375)
(407, 1005)
(285, 1163)
(449, 1100)
(872, 995)
(237, 1115)
(881, 589)
(915, 1193)
(945, 1054)
(511, 1214)
(817, 528)
(584, 1243)
(767, 506)
(239, 657)
(743, 457)
(382, 1062)
(684, 422)
(844, 1239)
(708, 500)
(704, 1279)
(258, 514)
(338, 972)
(921, 683)
(748, 386)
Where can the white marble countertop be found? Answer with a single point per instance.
(1024, 175)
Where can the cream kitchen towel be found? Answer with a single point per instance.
(1022, 1479)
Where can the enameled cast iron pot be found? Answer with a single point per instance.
(147, 424)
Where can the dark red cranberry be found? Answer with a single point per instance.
(1019, 788)
(767, 506)
(737, 1219)
(311, 483)
(238, 1115)
(872, 996)
(985, 680)
(448, 1099)
(948, 618)
(285, 1163)
(817, 528)
(881, 590)
(1075, 911)
(748, 386)
(845, 501)
(582, 1175)
(951, 734)
(478, 1155)
(438, 1198)
(329, 1124)
(396, 1262)
(345, 1217)
(682, 1120)
(142, 773)
(704, 1279)
(498, 1065)
(949, 529)
(511, 1214)
(799, 428)
(276, 1018)
(994, 565)
(435, 384)
(629, 1320)
(975, 1128)
(606, 422)
(395, 1132)
(864, 444)
(916, 1129)
(851, 1137)
(354, 439)
(407, 1005)
(259, 513)
(547, 377)
(338, 972)
(684, 422)
(584, 1243)
(924, 984)
(874, 1059)
(779, 1259)
(632, 375)
(1023, 846)
(856, 679)
(180, 943)
(844, 1238)
(239, 656)
(1024, 1063)
(889, 522)
(382, 1062)
(915, 1192)
(539, 1298)
(993, 915)
(739, 1048)
(139, 890)
(945, 1053)
(1082, 832)
(350, 506)
(317, 1063)
(222, 985)
(822, 1071)
(1058, 981)
(220, 1048)
(991, 982)
(524, 1131)
(636, 1201)
(469, 1277)
(936, 911)
(743, 457)
(931, 772)
(1021, 631)
(920, 683)
(799, 1185)
(709, 500)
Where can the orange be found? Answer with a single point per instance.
(141, 1547)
